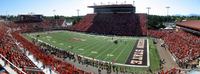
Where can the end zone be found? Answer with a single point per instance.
(139, 56)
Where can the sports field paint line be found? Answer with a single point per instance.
(80, 49)
(48, 37)
(61, 44)
(84, 45)
(87, 45)
(122, 52)
(94, 52)
(69, 46)
(91, 48)
(113, 51)
(83, 39)
(102, 52)
(95, 49)
(110, 55)
(107, 50)
(54, 41)
(133, 43)
(148, 56)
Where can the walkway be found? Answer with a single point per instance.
(170, 61)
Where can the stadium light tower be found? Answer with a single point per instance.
(78, 12)
(133, 3)
(108, 3)
(54, 12)
(124, 2)
(6, 15)
(148, 9)
(167, 10)
(94, 4)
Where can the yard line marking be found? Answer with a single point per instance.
(126, 48)
(100, 48)
(103, 51)
(110, 55)
(81, 49)
(113, 51)
(86, 44)
(61, 43)
(130, 50)
(94, 52)
(90, 47)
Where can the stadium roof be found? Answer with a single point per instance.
(113, 6)
(193, 24)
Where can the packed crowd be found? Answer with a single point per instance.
(143, 21)
(84, 24)
(44, 25)
(113, 24)
(172, 71)
(12, 42)
(183, 45)
(12, 53)
(57, 65)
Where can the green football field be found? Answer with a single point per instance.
(94, 46)
(97, 46)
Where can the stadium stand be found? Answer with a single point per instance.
(193, 24)
(126, 24)
(10, 43)
(183, 45)
(172, 71)
(58, 65)
(45, 25)
(143, 21)
(119, 19)
(11, 52)
(84, 24)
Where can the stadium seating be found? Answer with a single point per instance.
(143, 21)
(126, 24)
(172, 71)
(11, 52)
(183, 45)
(84, 24)
(44, 25)
(56, 64)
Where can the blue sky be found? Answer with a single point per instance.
(69, 7)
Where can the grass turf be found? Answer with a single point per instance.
(99, 47)
(94, 46)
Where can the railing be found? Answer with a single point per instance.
(16, 68)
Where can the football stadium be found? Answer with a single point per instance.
(114, 39)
